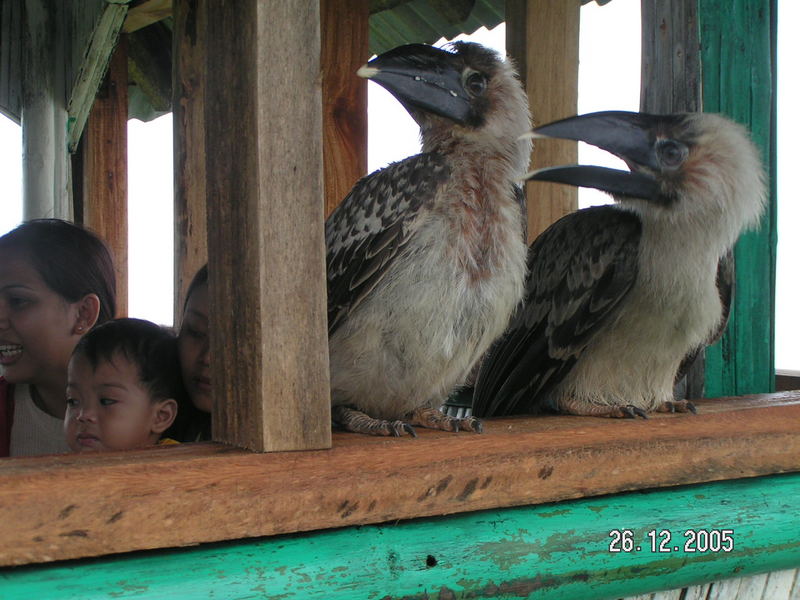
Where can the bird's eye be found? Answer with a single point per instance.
(671, 154)
(475, 83)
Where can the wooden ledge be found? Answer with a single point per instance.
(70, 506)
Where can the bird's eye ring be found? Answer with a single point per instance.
(475, 83)
(671, 154)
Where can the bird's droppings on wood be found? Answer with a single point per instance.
(431, 561)
(545, 472)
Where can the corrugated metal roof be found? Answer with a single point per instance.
(426, 21)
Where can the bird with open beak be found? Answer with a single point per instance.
(619, 296)
(426, 257)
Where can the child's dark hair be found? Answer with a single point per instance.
(151, 348)
(72, 261)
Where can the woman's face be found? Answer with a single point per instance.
(193, 349)
(37, 326)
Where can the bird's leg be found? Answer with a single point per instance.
(433, 418)
(681, 406)
(359, 422)
(583, 408)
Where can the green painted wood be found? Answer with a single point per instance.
(547, 551)
(737, 40)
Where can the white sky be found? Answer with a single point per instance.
(609, 80)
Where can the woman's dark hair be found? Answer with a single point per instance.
(199, 279)
(71, 260)
(148, 346)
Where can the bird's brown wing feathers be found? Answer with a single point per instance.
(372, 227)
(579, 270)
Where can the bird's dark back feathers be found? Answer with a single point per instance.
(373, 225)
(580, 269)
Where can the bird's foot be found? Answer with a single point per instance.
(627, 411)
(433, 418)
(673, 406)
(619, 411)
(359, 422)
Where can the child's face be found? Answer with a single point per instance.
(193, 349)
(109, 409)
(36, 325)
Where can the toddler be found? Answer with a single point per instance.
(123, 382)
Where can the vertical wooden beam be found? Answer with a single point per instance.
(670, 82)
(345, 47)
(738, 56)
(105, 168)
(542, 38)
(269, 347)
(189, 147)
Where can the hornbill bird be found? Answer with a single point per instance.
(618, 296)
(426, 257)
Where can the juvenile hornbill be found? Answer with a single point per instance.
(618, 296)
(426, 257)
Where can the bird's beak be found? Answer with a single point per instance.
(630, 136)
(422, 77)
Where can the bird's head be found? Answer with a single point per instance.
(462, 92)
(688, 166)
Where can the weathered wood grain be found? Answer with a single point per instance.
(189, 144)
(70, 506)
(547, 552)
(345, 47)
(263, 115)
(542, 38)
(105, 169)
(738, 54)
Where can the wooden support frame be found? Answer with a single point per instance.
(550, 73)
(547, 552)
(267, 247)
(189, 143)
(72, 506)
(104, 162)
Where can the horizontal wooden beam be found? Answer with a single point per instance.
(72, 506)
(547, 552)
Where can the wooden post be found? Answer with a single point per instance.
(189, 148)
(542, 38)
(105, 168)
(269, 351)
(738, 56)
(670, 82)
(345, 47)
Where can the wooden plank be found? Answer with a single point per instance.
(267, 247)
(147, 12)
(345, 47)
(737, 40)
(189, 144)
(547, 552)
(71, 506)
(542, 38)
(105, 169)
